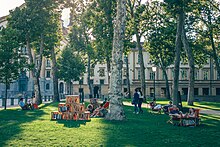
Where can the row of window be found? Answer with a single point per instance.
(183, 75)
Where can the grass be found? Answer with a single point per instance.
(34, 128)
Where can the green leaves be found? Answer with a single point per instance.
(70, 65)
(11, 60)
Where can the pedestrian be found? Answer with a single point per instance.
(140, 101)
(135, 101)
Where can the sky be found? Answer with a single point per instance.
(6, 5)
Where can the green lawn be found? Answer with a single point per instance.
(34, 128)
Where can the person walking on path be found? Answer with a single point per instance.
(135, 101)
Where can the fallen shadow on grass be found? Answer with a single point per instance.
(12, 119)
(152, 130)
(72, 123)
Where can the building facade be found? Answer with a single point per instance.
(206, 82)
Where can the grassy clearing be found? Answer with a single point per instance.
(34, 128)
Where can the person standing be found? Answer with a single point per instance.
(135, 101)
(140, 101)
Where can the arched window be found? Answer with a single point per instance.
(47, 86)
(61, 87)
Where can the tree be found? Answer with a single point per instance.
(179, 9)
(80, 36)
(11, 61)
(116, 111)
(138, 15)
(208, 27)
(102, 19)
(70, 66)
(161, 40)
(33, 22)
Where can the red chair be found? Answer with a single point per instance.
(106, 105)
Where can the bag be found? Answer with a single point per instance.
(133, 102)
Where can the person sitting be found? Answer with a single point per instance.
(100, 111)
(166, 107)
(174, 111)
(90, 108)
(154, 106)
(23, 105)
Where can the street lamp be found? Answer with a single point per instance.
(154, 69)
(80, 90)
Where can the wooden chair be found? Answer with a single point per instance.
(191, 121)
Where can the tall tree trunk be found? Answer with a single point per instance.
(140, 53)
(108, 70)
(116, 111)
(89, 75)
(128, 79)
(178, 46)
(54, 74)
(214, 52)
(6, 92)
(39, 99)
(189, 52)
(33, 70)
(167, 83)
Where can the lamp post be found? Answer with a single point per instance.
(80, 90)
(154, 69)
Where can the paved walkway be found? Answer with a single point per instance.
(205, 111)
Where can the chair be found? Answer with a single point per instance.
(175, 116)
(106, 105)
(191, 121)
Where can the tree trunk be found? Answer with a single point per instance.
(128, 80)
(6, 92)
(33, 70)
(140, 53)
(39, 99)
(178, 46)
(109, 70)
(189, 52)
(89, 75)
(167, 83)
(54, 74)
(116, 111)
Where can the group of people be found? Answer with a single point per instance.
(170, 109)
(137, 101)
(25, 106)
(100, 111)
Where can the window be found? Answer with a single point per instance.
(163, 76)
(139, 59)
(124, 72)
(91, 81)
(196, 74)
(125, 81)
(47, 86)
(48, 63)
(205, 91)
(205, 74)
(101, 72)
(102, 82)
(92, 72)
(196, 91)
(37, 62)
(139, 74)
(151, 75)
(183, 74)
(172, 72)
(47, 74)
(217, 91)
